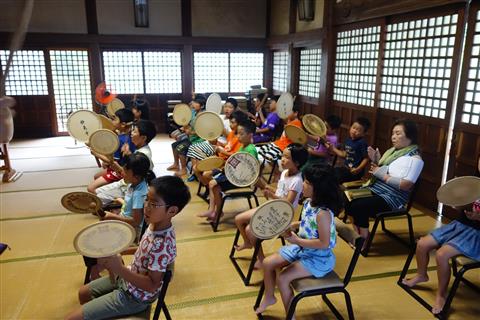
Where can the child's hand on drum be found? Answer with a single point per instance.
(112, 263)
(292, 238)
(268, 193)
(126, 149)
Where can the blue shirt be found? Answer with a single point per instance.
(356, 152)
(134, 199)
(123, 138)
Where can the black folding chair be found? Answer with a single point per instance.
(331, 283)
(466, 265)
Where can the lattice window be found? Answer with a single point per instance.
(417, 68)
(471, 106)
(71, 83)
(280, 70)
(27, 74)
(163, 72)
(246, 69)
(356, 65)
(123, 71)
(309, 79)
(210, 71)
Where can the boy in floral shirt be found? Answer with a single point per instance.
(137, 286)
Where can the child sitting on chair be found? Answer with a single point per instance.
(123, 123)
(219, 182)
(320, 153)
(461, 236)
(311, 250)
(138, 286)
(289, 188)
(143, 132)
(180, 147)
(269, 124)
(355, 153)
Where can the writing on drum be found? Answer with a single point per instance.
(245, 172)
(82, 122)
(272, 222)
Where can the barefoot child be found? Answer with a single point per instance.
(461, 236)
(219, 182)
(138, 285)
(289, 188)
(311, 250)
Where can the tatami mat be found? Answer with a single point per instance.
(40, 276)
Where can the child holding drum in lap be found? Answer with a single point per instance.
(123, 123)
(219, 182)
(138, 285)
(289, 187)
(311, 250)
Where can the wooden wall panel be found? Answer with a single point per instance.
(32, 117)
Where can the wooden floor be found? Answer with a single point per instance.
(40, 276)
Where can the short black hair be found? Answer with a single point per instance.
(334, 121)
(410, 128)
(232, 101)
(146, 128)
(295, 108)
(200, 99)
(260, 96)
(239, 116)
(326, 190)
(125, 115)
(143, 106)
(299, 154)
(172, 190)
(138, 163)
(249, 126)
(364, 122)
(276, 98)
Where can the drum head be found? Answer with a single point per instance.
(208, 125)
(214, 103)
(272, 219)
(182, 114)
(106, 122)
(104, 141)
(81, 202)
(314, 125)
(459, 191)
(242, 169)
(210, 163)
(114, 106)
(104, 239)
(82, 123)
(285, 105)
(295, 134)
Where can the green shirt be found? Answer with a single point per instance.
(250, 149)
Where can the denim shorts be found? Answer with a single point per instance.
(460, 236)
(111, 300)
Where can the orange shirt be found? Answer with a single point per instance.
(283, 141)
(233, 145)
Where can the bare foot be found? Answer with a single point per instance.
(258, 265)
(180, 173)
(265, 303)
(173, 167)
(206, 214)
(415, 280)
(438, 306)
(243, 246)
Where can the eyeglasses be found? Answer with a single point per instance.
(153, 205)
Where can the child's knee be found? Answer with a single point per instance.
(212, 184)
(84, 294)
(444, 254)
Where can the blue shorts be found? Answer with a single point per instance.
(460, 236)
(222, 180)
(111, 300)
(318, 262)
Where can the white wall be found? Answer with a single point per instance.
(229, 18)
(116, 17)
(55, 16)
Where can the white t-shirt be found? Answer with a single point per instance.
(406, 167)
(148, 152)
(290, 183)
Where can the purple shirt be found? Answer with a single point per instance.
(271, 123)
